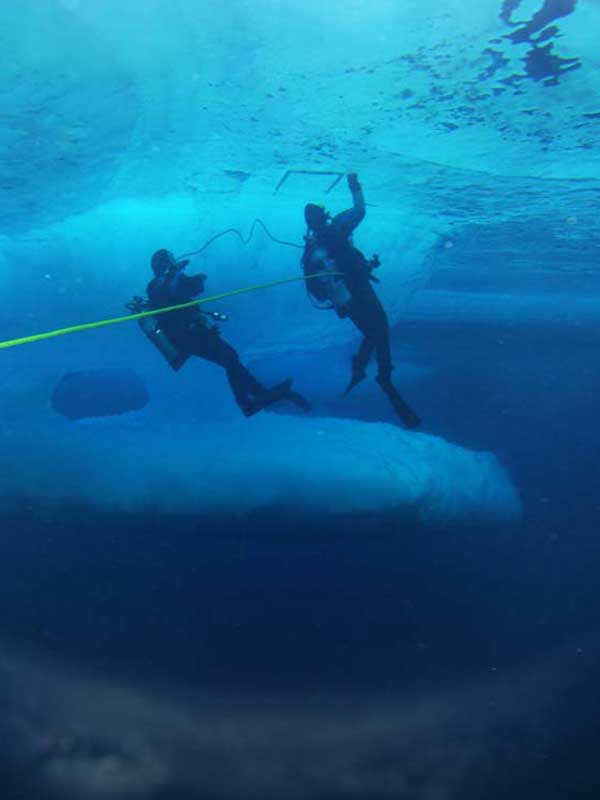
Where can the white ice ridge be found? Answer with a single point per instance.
(270, 461)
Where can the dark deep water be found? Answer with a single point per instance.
(354, 608)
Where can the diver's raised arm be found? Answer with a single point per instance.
(347, 220)
(357, 193)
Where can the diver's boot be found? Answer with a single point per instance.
(404, 411)
(358, 375)
(266, 398)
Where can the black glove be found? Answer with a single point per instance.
(353, 183)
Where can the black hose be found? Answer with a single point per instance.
(241, 236)
(247, 241)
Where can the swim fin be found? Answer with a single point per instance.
(299, 400)
(404, 411)
(358, 375)
(356, 378)
(278, 392)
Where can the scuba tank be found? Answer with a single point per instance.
(151, 328)
(334, 286)
(163, 344)
(330, 288)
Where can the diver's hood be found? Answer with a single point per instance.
(316, 216)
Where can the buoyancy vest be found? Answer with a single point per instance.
(335, 252)
(328, 287)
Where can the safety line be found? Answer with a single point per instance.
(86, 326)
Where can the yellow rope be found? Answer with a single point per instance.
(87, 326)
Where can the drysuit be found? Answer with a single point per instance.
(329, 247)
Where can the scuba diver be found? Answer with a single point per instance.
(328, 247)
(187, 332)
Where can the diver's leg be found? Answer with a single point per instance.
(359, 316)
(381, 335)
(380, 332)
(363, 355)
(263, 397)
(359, 364)
(251, 396)
(243, 384)
(208, 344)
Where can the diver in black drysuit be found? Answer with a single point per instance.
(329, 247)
(189, 332)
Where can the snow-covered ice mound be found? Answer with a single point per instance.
(283, 462)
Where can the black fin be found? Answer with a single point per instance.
(278, 392)
(407, 415)
(299, 400)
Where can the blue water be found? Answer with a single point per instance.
(350, 610)
(197, 606)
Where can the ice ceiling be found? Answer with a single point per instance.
(100, 98)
